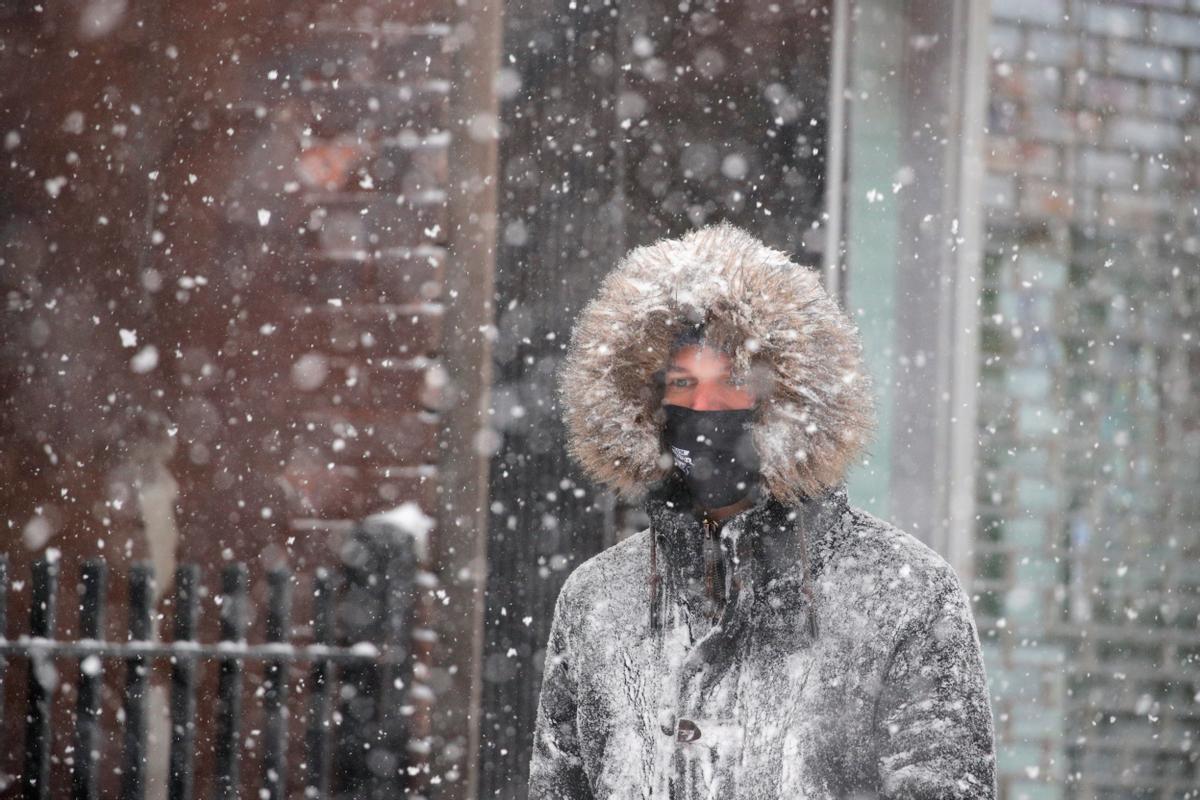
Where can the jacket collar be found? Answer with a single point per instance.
(771, 534)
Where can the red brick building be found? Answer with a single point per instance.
(247, 268)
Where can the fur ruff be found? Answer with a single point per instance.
(787, 337)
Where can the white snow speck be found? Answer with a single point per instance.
(145, 360)
(128, 338)
(310, 371)
(264, 217)
(101, 17)
(73, 122)
(734, 166)
(54, 186)
(37, 532)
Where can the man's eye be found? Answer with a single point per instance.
(679, 383)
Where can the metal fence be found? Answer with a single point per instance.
(355, 666)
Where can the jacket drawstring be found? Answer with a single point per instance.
(655, 586)
(806, 580)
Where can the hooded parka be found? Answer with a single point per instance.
(803, 648)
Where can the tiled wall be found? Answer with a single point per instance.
(1087, 587)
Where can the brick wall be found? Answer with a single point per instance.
(1087, 542)
(226, 231)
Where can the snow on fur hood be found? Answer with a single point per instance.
(844, 660)
(785, 335)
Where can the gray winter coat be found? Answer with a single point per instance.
(836, 656)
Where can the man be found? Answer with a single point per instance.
(762, 638)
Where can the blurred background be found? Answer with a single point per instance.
(273, 271)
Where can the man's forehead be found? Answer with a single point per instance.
(706, 357)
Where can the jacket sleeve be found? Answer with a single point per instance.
(556, 768)
(934, 718)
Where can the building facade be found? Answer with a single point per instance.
(272, 269)
(246, 258)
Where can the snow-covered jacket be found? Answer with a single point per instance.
(840, 658)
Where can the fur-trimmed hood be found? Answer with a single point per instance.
(785, 334)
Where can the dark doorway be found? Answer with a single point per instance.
(621, 123)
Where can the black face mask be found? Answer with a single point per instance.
(713, 452)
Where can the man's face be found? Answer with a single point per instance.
(700, 378)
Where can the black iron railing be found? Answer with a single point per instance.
(356, 664)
